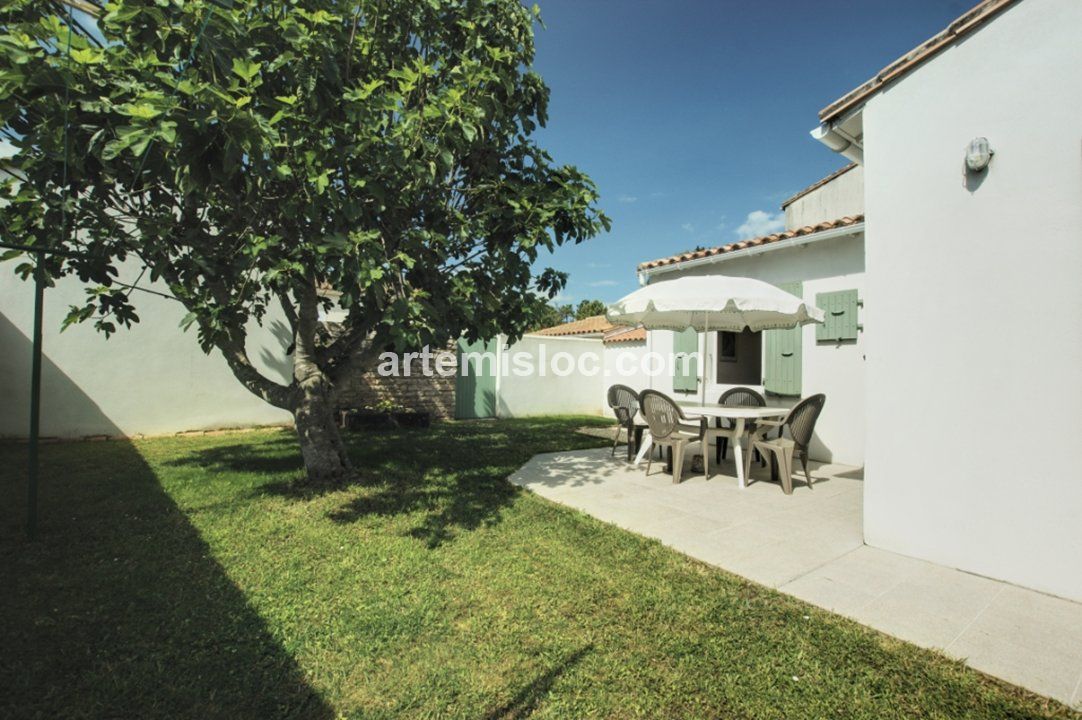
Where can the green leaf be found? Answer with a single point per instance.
(143, 111)
(168, 132)
(87, 56)
(245, 69)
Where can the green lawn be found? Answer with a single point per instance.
(183, 577)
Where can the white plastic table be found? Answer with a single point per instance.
(739, 415)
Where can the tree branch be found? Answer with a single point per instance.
(233, 347)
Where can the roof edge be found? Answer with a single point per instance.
(625, 335)
(965, 24)
(592, 325)
(825, 226)
(818, 184)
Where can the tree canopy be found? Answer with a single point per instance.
(589, 308)
(252, 155)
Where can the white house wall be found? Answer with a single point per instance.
(148, 380)
(974, 305)
(836, 370)
(843, 196)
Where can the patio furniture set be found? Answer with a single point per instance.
(705, 304)
(740, 416)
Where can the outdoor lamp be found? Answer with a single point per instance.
(978, 154)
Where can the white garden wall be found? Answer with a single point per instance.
(148, 380)
(545, 392)
(974, 304)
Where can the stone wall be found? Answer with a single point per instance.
(415, 391)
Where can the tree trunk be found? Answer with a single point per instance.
(326, 462)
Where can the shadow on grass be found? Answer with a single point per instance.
(452, 475)
(119, 610)
(273, 456)
(528, 698)
(449, 503)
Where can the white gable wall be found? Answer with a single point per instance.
(974, 305)
(843, 196)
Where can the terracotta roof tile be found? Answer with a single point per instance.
(753, 242)
(586, 326)
(625, 335)
(593, 325)
(964, 25)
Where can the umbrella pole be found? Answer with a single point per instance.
(706, 365)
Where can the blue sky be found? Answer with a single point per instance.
(691, 115)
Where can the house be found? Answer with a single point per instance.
(973, 304)
(952, 353)
(819, 257)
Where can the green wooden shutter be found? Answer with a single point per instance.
(475, 391)
(783, 354)
(840, 308)
(683, 344)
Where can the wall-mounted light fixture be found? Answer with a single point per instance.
(978, 154)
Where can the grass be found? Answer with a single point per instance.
(185, 577)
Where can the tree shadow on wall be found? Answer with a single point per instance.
(65, 408)
(120, 610)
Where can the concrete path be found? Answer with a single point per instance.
(810, 545)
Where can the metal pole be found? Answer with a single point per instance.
(706, 358)
(35, 401)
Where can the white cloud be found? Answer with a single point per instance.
(603, 283)
(759, 223)
(628, 199)
(688, 227)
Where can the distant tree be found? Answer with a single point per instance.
(248, 153)
(589, 308)
(546, 314)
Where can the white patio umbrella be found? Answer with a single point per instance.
(712, 302)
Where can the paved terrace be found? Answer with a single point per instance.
(810, 545)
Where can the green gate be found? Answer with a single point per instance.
(475, 384)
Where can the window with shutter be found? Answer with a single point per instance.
(840, 309)
(685, 367)
(783, 354)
